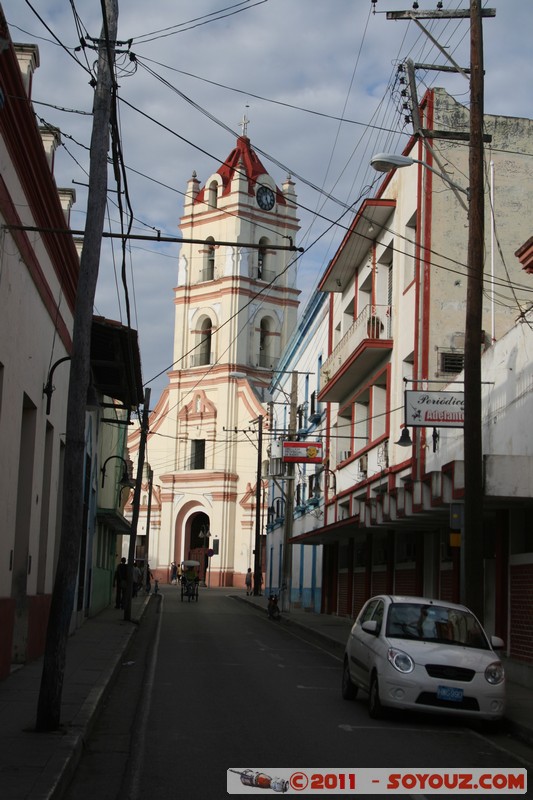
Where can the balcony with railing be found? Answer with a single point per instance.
(357, 353)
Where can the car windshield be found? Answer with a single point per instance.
(434, 623)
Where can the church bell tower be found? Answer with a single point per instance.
(236, 306)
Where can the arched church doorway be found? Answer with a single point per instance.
(199, 542)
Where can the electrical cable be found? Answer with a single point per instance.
(57, 40)
(198, 22)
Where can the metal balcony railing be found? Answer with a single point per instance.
(374, 322)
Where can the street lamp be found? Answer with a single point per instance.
(385, 162)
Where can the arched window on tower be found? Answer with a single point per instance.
(203, 354)
(212, 198)
(263, 261)
(208, 268)
(267, 343)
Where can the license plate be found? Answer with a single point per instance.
(449, 693)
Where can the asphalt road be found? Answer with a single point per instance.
(215, 685)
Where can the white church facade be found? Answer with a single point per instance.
(236, 305)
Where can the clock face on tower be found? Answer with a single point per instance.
(265, 198)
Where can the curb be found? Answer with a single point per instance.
(63, 765)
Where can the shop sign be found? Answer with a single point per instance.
(435, 409)
(302, 452)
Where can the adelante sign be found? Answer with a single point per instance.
(437, 409)
(302, 452)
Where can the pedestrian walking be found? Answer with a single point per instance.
(248, 581)
(137, 579)
(149, 577)
(173, 572)
(120, 582)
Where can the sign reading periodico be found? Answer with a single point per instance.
(439, 409)
(302, 452)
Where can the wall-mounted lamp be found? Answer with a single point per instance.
(205, 535)
(49, 387)
(126, 481)
(405, 439)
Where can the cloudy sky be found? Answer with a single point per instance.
(318, 80)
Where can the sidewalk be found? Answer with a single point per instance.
(38, 766)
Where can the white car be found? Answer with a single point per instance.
(418, 654)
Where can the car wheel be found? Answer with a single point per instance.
(349, 691)
(375, 709)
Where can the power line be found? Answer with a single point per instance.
(195, 23)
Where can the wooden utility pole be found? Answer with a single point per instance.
(472, 567)
(148, 516)
(49, 702)
(286, 572)
(472, 572)
(258, 554)
(135, 504)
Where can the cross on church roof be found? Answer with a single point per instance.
(244, 125)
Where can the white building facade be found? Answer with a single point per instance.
(397, 288)
(38, 276)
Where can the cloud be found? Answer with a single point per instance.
(335, 58)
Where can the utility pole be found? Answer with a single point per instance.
(286, 572)
(148, 515)
(471, 565)
(135, 506)
(258, 561)
(49, 702)
(472, 572)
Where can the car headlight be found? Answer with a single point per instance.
(494, 674)
(400, 660)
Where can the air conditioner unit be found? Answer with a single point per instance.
(363, 464)
(345, 455)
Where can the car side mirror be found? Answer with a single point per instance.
(497, 643)
(370, 626)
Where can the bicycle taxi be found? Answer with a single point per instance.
(189, 580)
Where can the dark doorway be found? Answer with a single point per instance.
(199, 542)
